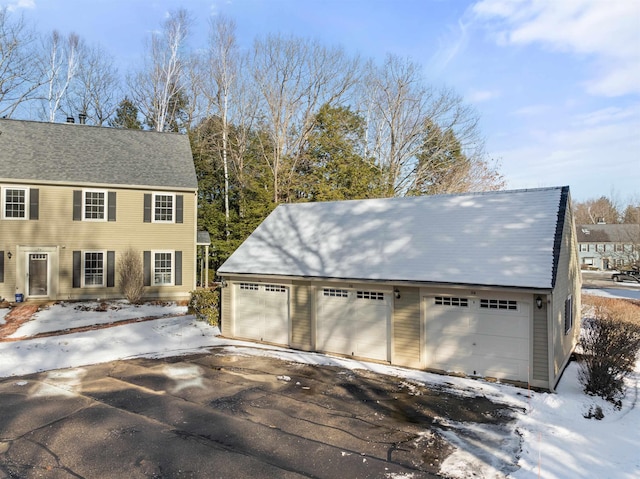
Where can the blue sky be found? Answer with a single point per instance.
(556, 83)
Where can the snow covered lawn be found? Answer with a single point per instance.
(558, 442)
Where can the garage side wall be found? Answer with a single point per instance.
(565, 300)
(301, 328)
(226, 309)
(407, 345)
(540, 357)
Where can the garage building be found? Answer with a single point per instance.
(481, 284)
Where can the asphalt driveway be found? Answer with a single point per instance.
(228, 415)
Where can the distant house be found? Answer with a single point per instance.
(75, 197)
(484, 284)
(603, 246)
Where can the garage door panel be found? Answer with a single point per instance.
(262, 312)
(353, 322)
(487, 337)
(502, 325)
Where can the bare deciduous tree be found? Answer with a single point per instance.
(95, 87)
(294, 77)
(425, 140)
(158, 89)
(59, 64)
(19, 78)
(223, 56)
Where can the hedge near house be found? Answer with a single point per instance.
(610, 343)
(205, 305)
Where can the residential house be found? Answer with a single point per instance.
(75, 197)
(605, 246)
(483, 284)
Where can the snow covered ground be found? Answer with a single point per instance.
(557, 441)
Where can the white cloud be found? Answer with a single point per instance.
(606, 32)
(593, 152)
(479, 96)
(27, 4)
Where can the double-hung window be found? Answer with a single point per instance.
(94, 203)
(93, 267)
(162, 268)
(163, 208)
(15, 203)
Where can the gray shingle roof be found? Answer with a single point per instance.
(81, 154)
(624, 233)
(504, 238)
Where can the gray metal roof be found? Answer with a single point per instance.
(504, 238)
(624, 233)
(203, 238)
(81, 154)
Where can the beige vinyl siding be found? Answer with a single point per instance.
(540, 366)
(226, 307)
(568, 282)
(406, 330)
(56, 227)
(301, 330)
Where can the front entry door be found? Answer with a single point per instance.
(38, 274)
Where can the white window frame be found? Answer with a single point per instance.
(83, 271)
(26, 202)
(568, 315)
(173, 208)
(153, 267)
(105, 211)
(584, 247)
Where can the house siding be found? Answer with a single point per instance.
(301, 324)
(57, 233)
(225, 309)
(568, 284)
(540, 344)
(407, 345)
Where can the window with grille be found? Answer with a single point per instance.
(15, 203)
(375, 295)
(163, 208)
(94, 205)
(163, 268)
(450, 301)
(275, 288)
(499, 304)
(249, 286)
(335, 293)
(93, 268)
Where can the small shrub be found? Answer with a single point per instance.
(610, 342)
(131, 275)
(204, 305)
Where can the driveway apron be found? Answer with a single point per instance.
(227, 415)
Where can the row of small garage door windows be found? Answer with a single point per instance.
(379, 296)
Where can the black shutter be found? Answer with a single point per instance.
(111, 269)
(77, 205)
(147, 207)
(178, 265)
(147, 268)
(112, 206)
(77, 268)
(34, 203)
(1, 266)
(179, 208)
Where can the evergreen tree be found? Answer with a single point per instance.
(332, 166)
(126, 116)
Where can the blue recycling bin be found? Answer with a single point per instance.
(19, 297)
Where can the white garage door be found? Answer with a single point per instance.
(262, 312)
(353, 322)
(479, 336)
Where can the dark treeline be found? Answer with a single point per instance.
(286, 120)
